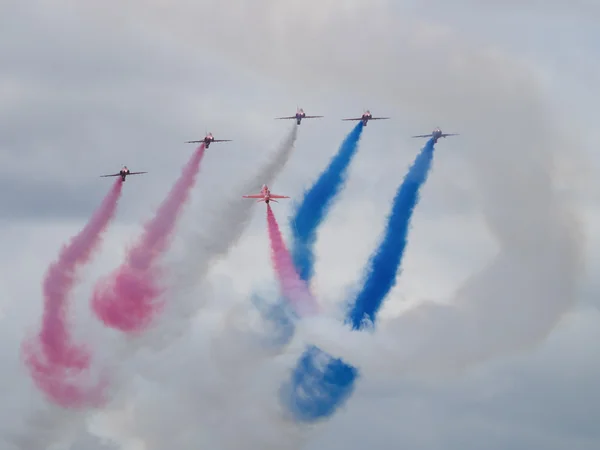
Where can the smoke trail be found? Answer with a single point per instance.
(516, 300)
(317, 201)
(384, 264)
(292, 287)
(44, 429)
(127, 300)
(321, 383)
(52, 357)
(220, 229)
(278, 320)
(312, 210)
(211, 239)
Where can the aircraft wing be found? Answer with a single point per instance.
(379, 118)
(111, 175)
(423, 136)
(222, 140)
(290, 117)
(359, 118)
(278, 196)
(313, 117)
(194, 142)
(449, 134)
(136, 173)
(253, 196)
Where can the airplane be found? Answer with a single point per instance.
(265, 195)
(123, 173)
(300, 114)
(208, 139)
(367, 116)
(435, 134)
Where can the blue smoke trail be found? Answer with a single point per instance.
(316, 204)
(309, 215)
(321, 383)
(384, 264)
(279, 320)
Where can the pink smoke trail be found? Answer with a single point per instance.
(128, 299)
(292, 286)
(52, 357)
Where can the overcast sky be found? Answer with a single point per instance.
(490, 338)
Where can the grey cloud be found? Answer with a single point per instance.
(87, 441)
(436, 73)
(578, 9)
(21, 200)
(548, 399)
(116, 97)
(77, 101)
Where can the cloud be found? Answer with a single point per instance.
(26, 199)
(478, 88)
(94, 87)
(26, 419)
(89, 99)
(518, 402)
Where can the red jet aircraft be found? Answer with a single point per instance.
(208, 139)
(367, 116)
(300, 114)
(123, 173)
(265, 195)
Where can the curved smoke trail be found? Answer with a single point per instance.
(292, 286)
(53, 359)
(321, 383)
(518, 299)
(317, 202)
(128, 300)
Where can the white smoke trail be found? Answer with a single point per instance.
(85, 440)
(49, 427)
(44, 427)
(198, 390)
(136, 377)
(216, 389)
(27, 420)
(221, 227)
(519, 298)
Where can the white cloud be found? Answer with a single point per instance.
(95, 85)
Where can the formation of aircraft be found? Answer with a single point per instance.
(265, 195)
(123, 173)
(366, 117)
(300, 114)
(208, 139)
(435, 134)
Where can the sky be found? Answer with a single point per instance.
(488, 340)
